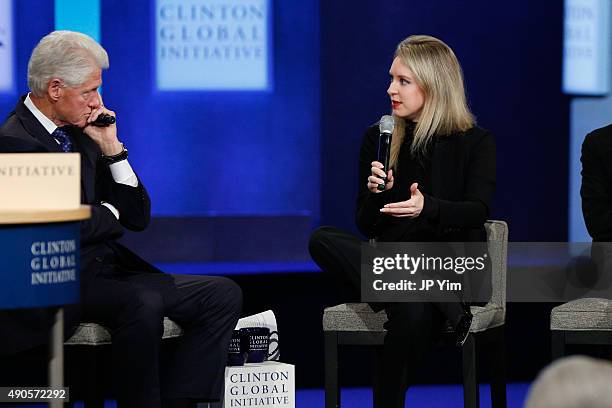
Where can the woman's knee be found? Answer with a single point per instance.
(320, 243)
(318, 239)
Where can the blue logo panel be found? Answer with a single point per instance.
(40, 265)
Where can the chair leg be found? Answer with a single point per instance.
(70, 365)
(93, 398)
(498, 377)
(378, 375)
(557, 344)
(471, 397)
(379, 370)
(332, 388)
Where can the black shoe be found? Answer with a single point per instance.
(462, 329)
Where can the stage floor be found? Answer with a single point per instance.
(425, 396)
(429, 396)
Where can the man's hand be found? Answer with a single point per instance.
(409, 208)
(105, 137)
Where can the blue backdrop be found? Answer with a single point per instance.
(294, 150)
(206, 152)
(511, 55)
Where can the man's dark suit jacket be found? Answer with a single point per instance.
(22, 132)
(596, 189)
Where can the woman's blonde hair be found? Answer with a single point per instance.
(437, 72)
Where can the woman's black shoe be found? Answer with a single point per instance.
(462, 329)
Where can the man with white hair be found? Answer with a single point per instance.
(118, 289)
(572, 382)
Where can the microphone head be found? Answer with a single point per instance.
(386, 124)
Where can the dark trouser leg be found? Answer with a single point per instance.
(452, 311)
(133, 306)
(208, 309)
(338, 254)
(134, 315)
(411, 331)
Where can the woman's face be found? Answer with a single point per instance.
(407, 98)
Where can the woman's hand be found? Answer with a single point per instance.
(377, 178)
(409, 208)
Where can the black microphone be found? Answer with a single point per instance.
(103, 120)
(385, 127)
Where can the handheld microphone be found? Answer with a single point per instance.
(385, 127)
(103, 120)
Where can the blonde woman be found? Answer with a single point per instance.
(438, 187)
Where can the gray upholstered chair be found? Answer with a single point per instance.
(581, 321)
(357, 324)
(83, 346)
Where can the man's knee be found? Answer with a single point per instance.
(229, 293)
(147, 311)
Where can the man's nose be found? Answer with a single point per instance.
(96, 101)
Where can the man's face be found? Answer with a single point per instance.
(74, 105)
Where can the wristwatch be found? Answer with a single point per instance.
(123, 155)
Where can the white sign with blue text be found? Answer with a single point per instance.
(586, 47)
(269, 384)
(6, 45)
(212, 45)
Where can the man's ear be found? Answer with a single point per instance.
(55, 89)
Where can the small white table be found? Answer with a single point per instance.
(42, 249)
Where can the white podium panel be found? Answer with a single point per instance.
(268, 384)
(40, 181)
